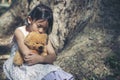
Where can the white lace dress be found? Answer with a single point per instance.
(34, 72)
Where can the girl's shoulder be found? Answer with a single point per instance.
(23, 30)
(20, 27)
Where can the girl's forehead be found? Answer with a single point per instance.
(40, 20)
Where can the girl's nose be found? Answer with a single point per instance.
(41, 30)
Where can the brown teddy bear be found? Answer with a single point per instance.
(36, 43)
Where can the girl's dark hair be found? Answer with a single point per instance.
(42, 12)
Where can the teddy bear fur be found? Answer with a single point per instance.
(36, 43)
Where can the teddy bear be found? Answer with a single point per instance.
(36, 43)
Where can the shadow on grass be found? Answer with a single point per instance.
(113, 62)
(2, 76)
(4, 50)
(3, 8)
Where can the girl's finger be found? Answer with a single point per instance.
(27, 59)
(30, 63)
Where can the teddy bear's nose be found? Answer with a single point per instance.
(41, 49)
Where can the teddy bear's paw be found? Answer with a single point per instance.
(18, 61)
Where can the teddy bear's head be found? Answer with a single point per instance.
(36, 41)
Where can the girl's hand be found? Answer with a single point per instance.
(33, 59)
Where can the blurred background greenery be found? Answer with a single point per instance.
(4, 5)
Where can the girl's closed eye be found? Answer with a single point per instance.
(39, 26)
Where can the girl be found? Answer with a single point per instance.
(40, 19)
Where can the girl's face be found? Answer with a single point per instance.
(39, 25)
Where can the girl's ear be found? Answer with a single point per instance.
(29, 19)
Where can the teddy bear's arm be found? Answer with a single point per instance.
(18, 60)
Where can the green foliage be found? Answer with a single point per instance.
(114, 64)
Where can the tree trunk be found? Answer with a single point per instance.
(91, 51)
(85, 33)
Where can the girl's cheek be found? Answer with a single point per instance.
(35, 28)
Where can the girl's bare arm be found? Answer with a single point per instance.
(20, 40)
(51, 57)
